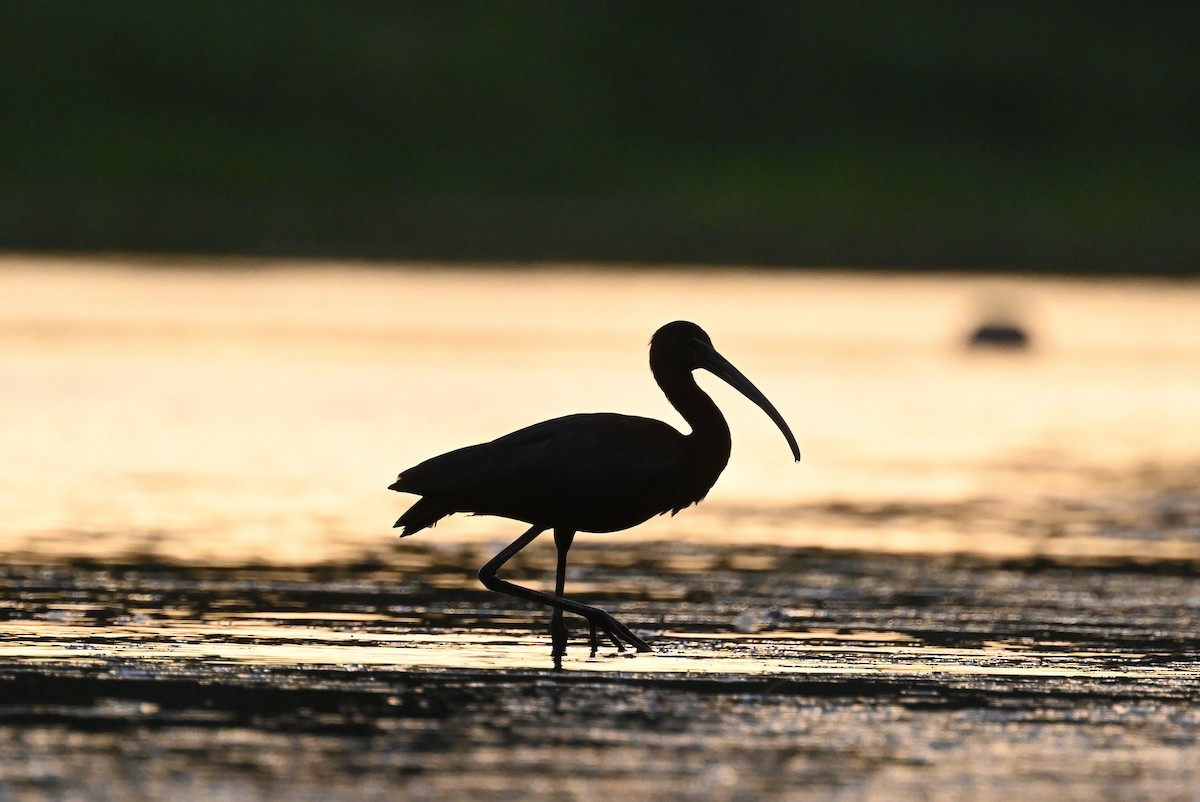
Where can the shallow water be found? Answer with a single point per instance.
(815, 673)
(980, 582)
(255, 412)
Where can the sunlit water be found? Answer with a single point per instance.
(233, 412)
(979, 582)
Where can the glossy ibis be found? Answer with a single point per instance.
(597, 472)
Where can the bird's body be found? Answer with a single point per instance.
(599, 472)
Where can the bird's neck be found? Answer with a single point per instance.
(710, 432)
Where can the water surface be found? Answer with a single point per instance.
(980, 582)
(233, 412)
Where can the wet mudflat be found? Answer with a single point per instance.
(777, 674)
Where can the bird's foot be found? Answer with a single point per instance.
(617, 632)
(599, 622)
(594, 637)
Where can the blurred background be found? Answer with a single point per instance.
(256, 257)
(1026, 135)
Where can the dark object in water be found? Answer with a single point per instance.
(1000, 335)
(590, 473)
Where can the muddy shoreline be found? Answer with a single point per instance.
(777, 674)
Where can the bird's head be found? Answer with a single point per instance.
(684, 346)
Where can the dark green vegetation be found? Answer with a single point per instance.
(1027, 135)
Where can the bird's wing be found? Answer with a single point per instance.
(581, 463)
(597, 447)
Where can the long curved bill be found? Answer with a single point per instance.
(720, 367)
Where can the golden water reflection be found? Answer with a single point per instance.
(232, 412)
(255, 640)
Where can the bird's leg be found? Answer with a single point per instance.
(597, 618)
(563, 538)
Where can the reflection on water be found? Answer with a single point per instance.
(220, 642)
(706, 610)
(884, 677)
(979, 584)
(255, 413)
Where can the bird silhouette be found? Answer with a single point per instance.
(598, 472)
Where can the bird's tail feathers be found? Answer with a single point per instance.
(422, 515)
